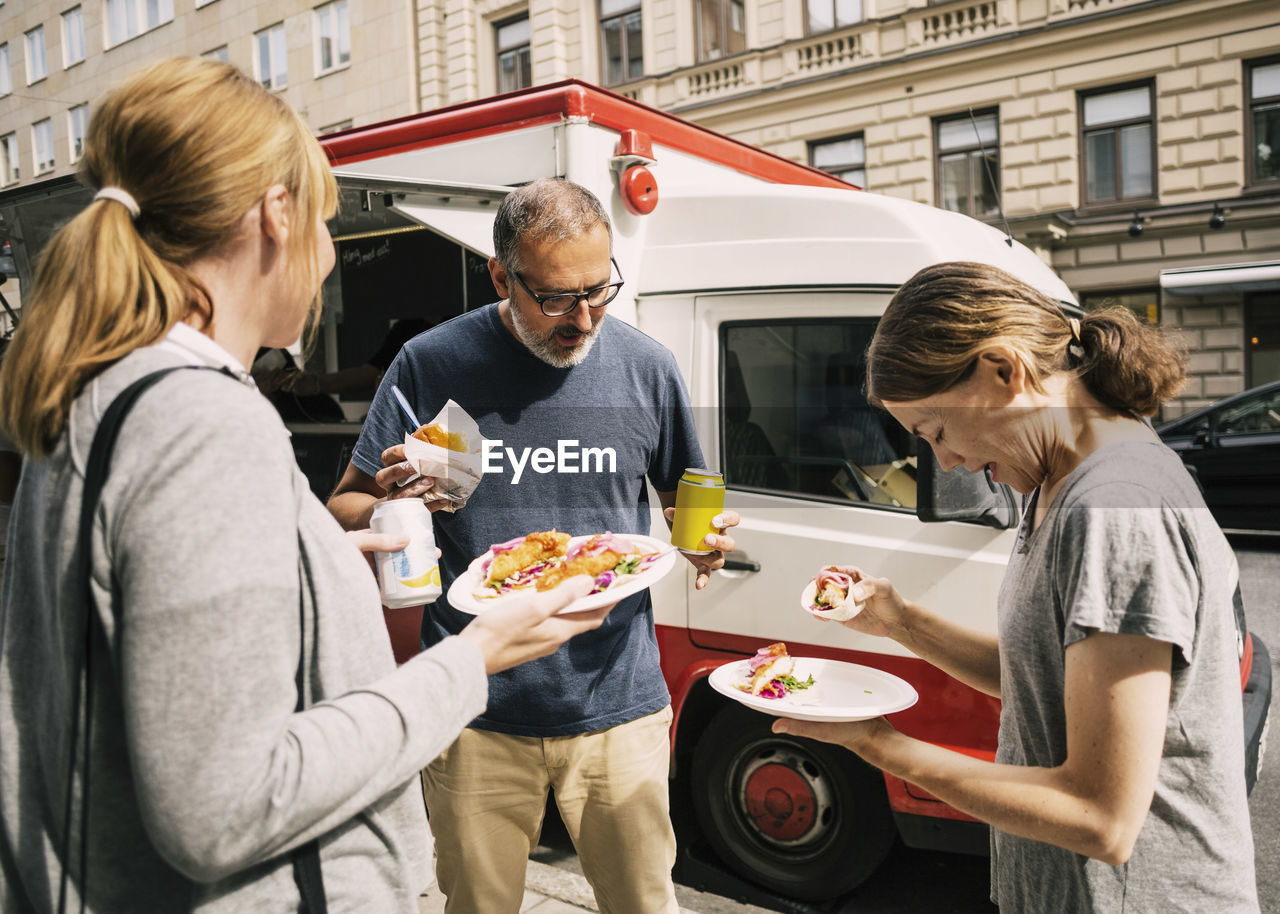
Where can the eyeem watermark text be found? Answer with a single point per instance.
(568, 457)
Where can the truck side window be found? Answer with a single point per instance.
(795, 418)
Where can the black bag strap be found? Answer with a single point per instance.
(306, 859)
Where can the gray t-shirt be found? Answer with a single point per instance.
(1128, 546)
(204, 777)
(626, 399)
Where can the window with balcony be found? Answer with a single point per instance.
(270, 60)
(620, 41)
(78, 123)
(1117, 135)
(9, 171)
(845, 157)
(6, 81)
(511, 40)
(42, 145)
(721, 27)
(333, 36)
(37, 63)
(968, 164)
(129, 18)
(1262, 129)
(72, 36)
(825, 15)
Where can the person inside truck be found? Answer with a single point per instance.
(1119, 780)
(541, 367)
(276, 371)
(246, 727)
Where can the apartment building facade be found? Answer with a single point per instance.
(1129, 141)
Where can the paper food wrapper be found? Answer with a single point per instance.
(456, 472)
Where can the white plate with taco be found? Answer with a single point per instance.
(620, 564)
(811, 688)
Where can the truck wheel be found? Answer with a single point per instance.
(802, 819)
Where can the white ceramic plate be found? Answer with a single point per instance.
(462, 591)
(841, 691)
(847, 611)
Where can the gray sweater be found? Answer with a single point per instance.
(203, 775)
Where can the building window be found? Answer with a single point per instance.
(128, 18)
(9, 158)
(1262, 337)
(825, 15)
(37, 64)
(42, 145)
(969, 164)
(846, 158)
(6, 81)
(1262, 131)
(270, 61)
(1118, 135)
(721, 28)
(1144, 303)
(334, 128)
(78, 119)
(515, 67)
(218, 54)
(333, 36)
(72, 36)
(620, 37)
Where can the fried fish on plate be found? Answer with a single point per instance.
(515, 555)
(593, 557)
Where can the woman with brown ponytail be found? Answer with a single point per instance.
(1118, 784)
(244, 699)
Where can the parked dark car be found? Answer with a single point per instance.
(1233, 447)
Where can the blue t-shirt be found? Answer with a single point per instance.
(622, 415)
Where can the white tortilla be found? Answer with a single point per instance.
(842, 612)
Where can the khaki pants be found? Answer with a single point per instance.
(486, 796)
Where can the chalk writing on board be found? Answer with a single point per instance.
(357, 256)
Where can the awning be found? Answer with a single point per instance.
(1216, 280)
(463, 213)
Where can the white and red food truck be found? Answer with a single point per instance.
(765, 278)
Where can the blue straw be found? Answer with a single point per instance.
(404, 405)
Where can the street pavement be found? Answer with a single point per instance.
(561, 889)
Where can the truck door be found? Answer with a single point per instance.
(818, 476)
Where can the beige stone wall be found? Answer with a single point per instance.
(379, 83)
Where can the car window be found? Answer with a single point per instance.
(1260, 413)
(795, 418)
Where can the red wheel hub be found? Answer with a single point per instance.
(780, 801)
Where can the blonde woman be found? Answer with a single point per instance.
(206, 240)
(1119, 781)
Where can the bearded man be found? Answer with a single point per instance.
(545, 371)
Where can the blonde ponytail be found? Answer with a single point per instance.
(195, 143)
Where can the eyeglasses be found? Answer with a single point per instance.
(563, 303)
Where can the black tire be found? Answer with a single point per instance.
(822, 822)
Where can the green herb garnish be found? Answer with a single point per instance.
(791, 684)
(628, 565)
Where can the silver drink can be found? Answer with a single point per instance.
(411, 576)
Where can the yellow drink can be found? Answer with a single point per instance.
(699, 499)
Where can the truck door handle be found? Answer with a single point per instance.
(743, 564)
